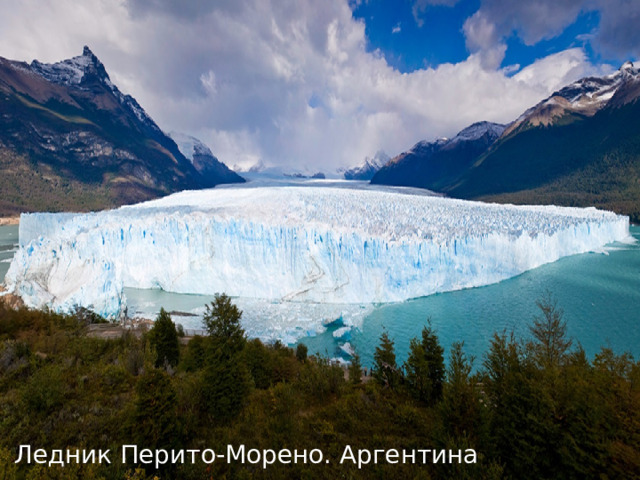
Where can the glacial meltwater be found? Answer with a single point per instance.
(8, 246)
(598, 292)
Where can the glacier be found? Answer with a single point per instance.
(300, 244)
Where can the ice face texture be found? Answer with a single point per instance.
(299, 244)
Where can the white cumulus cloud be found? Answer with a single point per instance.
(286, 82)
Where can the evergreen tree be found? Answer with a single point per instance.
(461, 407)
(226, 379)
(301, 352)
(517, 436)
(194, 359)
(553, 415)
(226, 386)
(355, 370)
(164, 338)
(154, 423)
(435, 358)
(258, 360)
(222, 322)
(385, 369)
(425, 367)
(550, 331)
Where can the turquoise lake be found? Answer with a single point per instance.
(599, 294)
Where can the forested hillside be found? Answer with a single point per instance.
(537, 409)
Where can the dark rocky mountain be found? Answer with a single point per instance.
(313, 176)
(70, 140)
(580, 147)
(212, 170)
(580, 99)
(367, 169)
(435, 165)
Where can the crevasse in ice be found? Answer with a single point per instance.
(298, 244)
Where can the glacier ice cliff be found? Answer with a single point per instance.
(299, 244)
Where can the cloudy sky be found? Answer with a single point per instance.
(318, 84)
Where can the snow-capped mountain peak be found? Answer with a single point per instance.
(368, 168)
(202, 159)
(597, 90)
(477, 130)
(81, 70)
(378, 160)
(190, 146)
(469, 134)
(585, 97)
(627, 66)
(73, 70)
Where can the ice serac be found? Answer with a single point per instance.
(297, 244)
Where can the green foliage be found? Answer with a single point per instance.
(301, 352)
(550, 331)
(258, 361)
(73, 471)
(61, 389)
(321, 380)
(514, 419)
(8, 468)
(139, 474)
(270, 364)
(134, 358)
(591, 161)
(154, 422)
(45, 390)
(87, 317)
(385, 369)
(164, 338)
(461, 406)
(194, 358)
(226, 381)
(226, 386)
(425, 367)
(355, 370)
(222, 322)
(180, 330)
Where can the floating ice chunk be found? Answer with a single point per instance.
(348, 349)
(341, 332)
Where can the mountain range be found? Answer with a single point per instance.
(434, 165)
(70, 140)
(579, 147)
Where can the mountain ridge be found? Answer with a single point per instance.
(587, 154)
(433, 165)
(70, 140)
(203, 160)
(367, 169)
(578, 147)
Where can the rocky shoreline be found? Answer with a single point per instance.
(9, 221)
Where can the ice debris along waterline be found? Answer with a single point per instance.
(293, 244)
